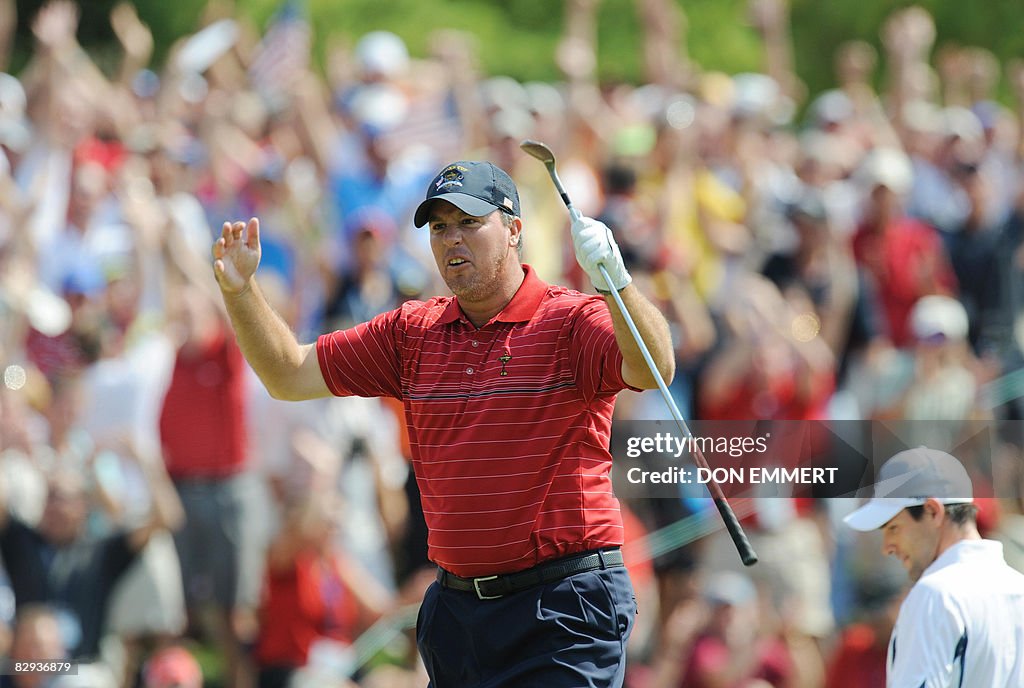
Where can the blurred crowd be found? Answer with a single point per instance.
(856, 254)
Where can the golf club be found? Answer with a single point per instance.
(542, 152)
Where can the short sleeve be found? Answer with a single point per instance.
(594, 354)
(927, 644)
(363, 360)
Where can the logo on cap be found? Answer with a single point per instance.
(450, 177)
(476, 188)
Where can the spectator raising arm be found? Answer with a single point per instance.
(166, 511)
(134, 37)
(8, 22)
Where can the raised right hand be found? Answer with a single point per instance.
(236, 255)
(594, 246)
(56, 23)
(133, 35)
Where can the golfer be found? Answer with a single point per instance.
(508, 388)
(962, 623)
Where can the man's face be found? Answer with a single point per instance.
(65, 512)
(914, 543)
(474, 254)
(886, 202)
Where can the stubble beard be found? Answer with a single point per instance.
(480, 284)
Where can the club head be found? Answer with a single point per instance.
(536, 149)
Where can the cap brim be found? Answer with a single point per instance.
(470, 205)
(877, 512)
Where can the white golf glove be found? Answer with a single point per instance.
(595, 246)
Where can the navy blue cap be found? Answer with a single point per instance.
(476, 188)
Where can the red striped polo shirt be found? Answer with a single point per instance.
(509, 423)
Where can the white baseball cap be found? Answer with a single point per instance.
(909, 479)
(936, 315)
(728, 588)
(888, 167)
(382, 53)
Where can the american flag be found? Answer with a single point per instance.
(433, 124)
(283, 53)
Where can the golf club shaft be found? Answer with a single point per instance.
(732, 524)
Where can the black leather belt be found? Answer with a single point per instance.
(493, 587)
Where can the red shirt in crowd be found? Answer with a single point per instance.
(908, 261)
(301, 604)
(508, 423)
(710, 655)
(773, 396)
(202, 423)
(859, 661)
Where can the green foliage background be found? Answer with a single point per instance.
(517, 37)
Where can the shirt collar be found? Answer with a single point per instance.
(967, 550)
(520, 309)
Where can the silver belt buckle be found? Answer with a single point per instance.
(476, 586)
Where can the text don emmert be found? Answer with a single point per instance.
(805, 475)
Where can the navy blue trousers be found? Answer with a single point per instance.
(567, 634)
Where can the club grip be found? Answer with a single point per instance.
(739, 538)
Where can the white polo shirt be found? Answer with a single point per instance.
(962, 624)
